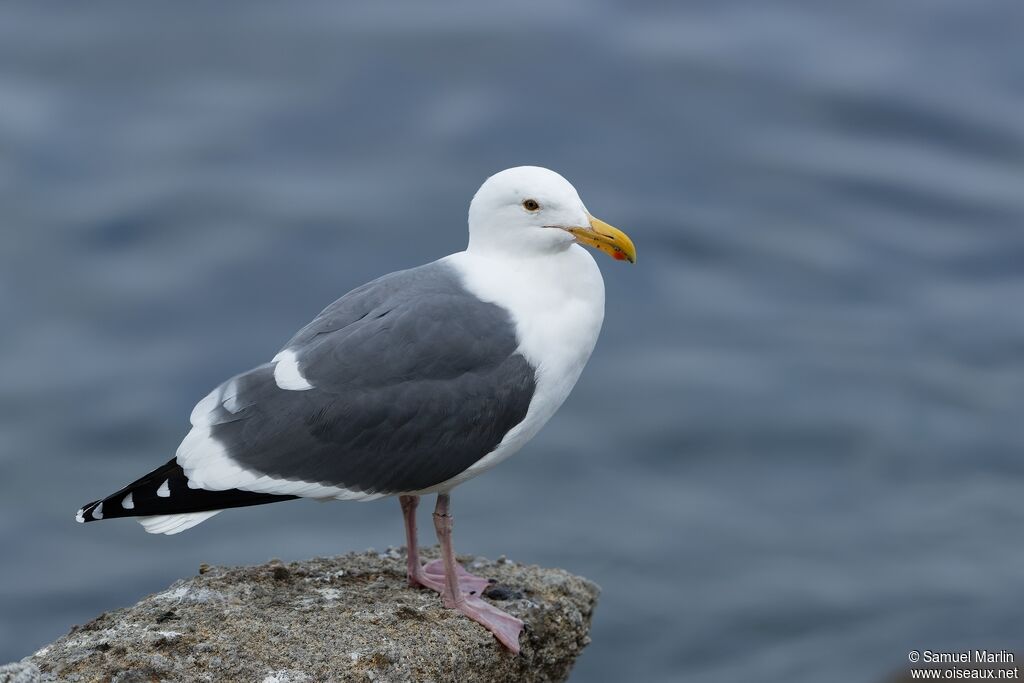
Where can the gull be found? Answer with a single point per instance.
(408, 385)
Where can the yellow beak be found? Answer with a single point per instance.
(604, 237)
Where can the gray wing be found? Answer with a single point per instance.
(413, 380)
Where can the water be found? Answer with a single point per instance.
(796, 452)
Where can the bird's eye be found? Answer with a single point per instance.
(531, 205)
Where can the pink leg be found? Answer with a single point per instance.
(412, 560)
(432, 575)
(504, 626)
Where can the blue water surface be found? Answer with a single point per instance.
(796, 452)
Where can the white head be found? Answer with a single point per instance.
(531, 210)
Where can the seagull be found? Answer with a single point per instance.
(408, 385)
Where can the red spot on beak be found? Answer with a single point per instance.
(619, 256)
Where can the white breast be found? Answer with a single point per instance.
(557, 304)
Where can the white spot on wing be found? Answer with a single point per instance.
(201, 413)
(229, 399)
(80, 516)
(127, 503)
(287, 373)
(165, 489)
(97, 512)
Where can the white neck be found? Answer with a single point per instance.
(537, 288)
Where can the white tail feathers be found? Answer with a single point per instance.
(174, 524)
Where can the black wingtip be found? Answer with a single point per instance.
(166, 491)
(90, 512)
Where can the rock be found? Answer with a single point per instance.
(19, 672)
(346, 618)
